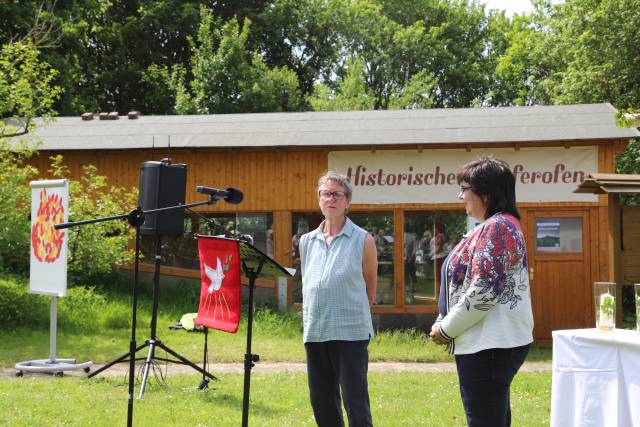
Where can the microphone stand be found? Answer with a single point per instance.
(135, 218)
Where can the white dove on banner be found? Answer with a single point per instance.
(216, 276)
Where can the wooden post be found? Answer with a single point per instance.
(615, 253)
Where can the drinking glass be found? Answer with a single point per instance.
(604, 296)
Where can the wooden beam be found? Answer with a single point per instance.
(615, 252)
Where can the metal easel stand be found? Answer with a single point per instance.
(52, 365)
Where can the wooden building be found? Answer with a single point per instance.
(402, 164)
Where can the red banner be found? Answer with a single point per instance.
(220, 292)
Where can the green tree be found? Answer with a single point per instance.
(95, 248)
(301, 35)
(353, 94)
(226, 77)
(26, 89)
(599, 43)
(103, 47)
(418, 54)
(15, 204)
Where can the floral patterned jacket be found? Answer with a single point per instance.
(487, 285)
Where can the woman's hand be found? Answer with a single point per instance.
(436, 336)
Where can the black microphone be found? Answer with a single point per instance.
(230, 195)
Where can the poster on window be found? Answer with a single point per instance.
(559, 235)
(543, 174)
(48, 264)
(548, 235)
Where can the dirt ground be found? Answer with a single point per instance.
(268, 367)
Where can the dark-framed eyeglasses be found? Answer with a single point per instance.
(326, 194)
(464, 188)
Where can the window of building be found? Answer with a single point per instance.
(379, 225)
(559, 235)
(301, 223)
(428, 239)
(182, 251)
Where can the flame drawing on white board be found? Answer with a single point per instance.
(214, 296)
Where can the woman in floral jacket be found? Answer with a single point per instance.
(485, 315)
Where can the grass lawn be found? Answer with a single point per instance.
(277, 337)
(272, 342)
(278, 399)
(97, 329)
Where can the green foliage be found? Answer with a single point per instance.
(165, 57)
(82, 309)
(629, 163)
(301, 35)
(20, 308)
(351, 93)
(577, 51)
(15, 204)
(226, 77)
(95, 248)
(521, 66)
(78, 309)
(26, 87)
(419, 54)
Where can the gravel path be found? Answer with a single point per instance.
(269, 367)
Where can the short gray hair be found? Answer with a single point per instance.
(339, 179)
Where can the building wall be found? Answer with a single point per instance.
(631, 244)
(282, 181)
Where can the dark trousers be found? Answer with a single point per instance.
(485, 382)
(333, 366)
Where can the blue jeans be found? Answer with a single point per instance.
(332, 367)
(485, 382)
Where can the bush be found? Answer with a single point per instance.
(20, 308)
(15, 204)
(95, 248)
(78, 309)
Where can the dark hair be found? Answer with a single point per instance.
(492, 179)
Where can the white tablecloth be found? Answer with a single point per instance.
(596, 378)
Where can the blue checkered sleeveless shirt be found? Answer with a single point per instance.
(334, 296)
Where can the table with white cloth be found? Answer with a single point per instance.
(596, 378)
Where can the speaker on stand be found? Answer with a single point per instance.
(162, 185)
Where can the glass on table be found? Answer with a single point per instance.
(604, 296)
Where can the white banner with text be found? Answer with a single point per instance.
(543, 174)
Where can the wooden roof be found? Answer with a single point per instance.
(609, 183)
(348, 128)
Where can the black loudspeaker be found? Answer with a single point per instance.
(162, 184)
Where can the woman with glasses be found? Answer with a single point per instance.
(485, 315)
(339, 273)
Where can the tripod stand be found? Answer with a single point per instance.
(153, 342)
(136, 219)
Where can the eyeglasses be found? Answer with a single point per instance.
(464, 188)
(326, 194)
